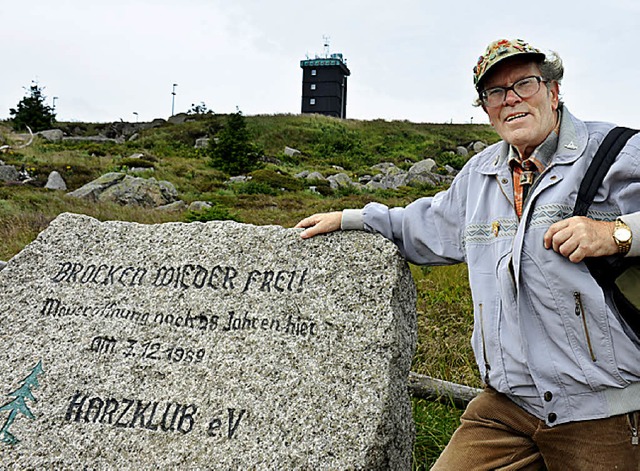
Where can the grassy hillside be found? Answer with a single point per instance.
(273, 197)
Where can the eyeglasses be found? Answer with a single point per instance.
(524, 88)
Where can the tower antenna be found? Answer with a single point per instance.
(326, 39)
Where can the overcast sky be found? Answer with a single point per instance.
(409, 59)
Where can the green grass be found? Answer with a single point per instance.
(435, 423)
(26, 211)
(444, 302)
(445, 322)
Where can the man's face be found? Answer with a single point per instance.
(523, 123)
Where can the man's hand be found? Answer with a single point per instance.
(320, 224)
(579, 237)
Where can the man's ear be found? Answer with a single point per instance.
(554, 89)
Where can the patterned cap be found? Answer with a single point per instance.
(500, 50)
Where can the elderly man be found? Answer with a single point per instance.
(562, 368)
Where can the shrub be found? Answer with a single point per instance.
(254, 188)
(217, 212)
(276, 180)
(233, 151)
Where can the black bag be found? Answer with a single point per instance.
(619, 277)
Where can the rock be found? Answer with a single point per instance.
(390, 177)
(421, 173)
(140, 192)
(119, 130)
(134, 137)
(202, 143)
(124, 189)
(51, 135)
(302, 174)
(386, 168)
(173, 207)
(8, 173)
(424, 166)
(442, 179)
(211, 345)
(450, 170)
(269, 160)
(479, 146)
(290, 152)
(394, 180)
(460, 150)
(156, 123)
(239, 179)
(55, 182)
(199, 206)
(179, 118)
(425, 178)
(167, 190)
(92, 190)
(316, 176)
(136, 155)
(339, 180)
(374, 185)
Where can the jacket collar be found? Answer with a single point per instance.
(572, 142)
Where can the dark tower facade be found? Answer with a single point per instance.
(324, 86)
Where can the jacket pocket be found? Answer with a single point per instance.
(483, 339)
(580, 312)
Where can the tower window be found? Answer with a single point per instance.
(314, 72)
(313, 86)
(312, 101)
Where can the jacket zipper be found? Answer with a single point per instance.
(487, 367)
(580, 313)
(632, 418)
(500, 185)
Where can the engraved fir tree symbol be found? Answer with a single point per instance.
(19, 404)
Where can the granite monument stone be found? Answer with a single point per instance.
(212, 345)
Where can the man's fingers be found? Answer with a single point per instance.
(579, 237)
(306, 222)
(552, 232)
(311, 231)
(319, 224)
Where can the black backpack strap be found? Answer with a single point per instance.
(599, 166)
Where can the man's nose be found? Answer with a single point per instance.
(512, 98)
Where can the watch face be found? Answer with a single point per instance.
(622, 234)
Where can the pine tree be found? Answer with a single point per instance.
(232, 151)
(19, 404)
(32, 111)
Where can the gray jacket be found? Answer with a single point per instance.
(543, 332)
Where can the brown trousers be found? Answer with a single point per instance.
(496, 434)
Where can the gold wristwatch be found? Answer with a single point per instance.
(622, 236)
